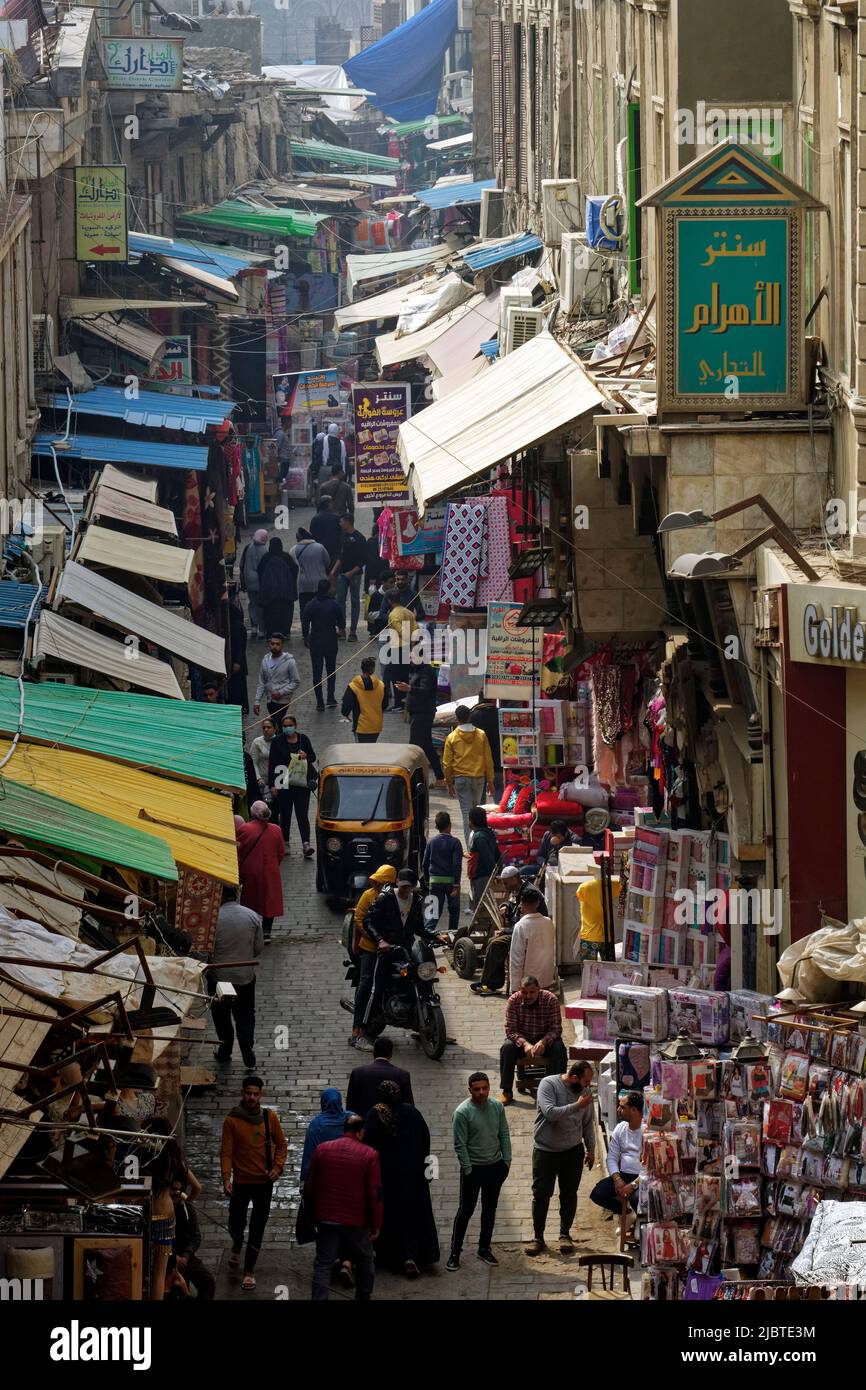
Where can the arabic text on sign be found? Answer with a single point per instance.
(714, 253)
(767, 311)
(732, 367)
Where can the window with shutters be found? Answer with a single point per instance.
(497, 83)
(519, 132)
(508, 88)
(545, 95)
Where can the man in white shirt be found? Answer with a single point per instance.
(533, 943)
(623, 1158)
(278, 677)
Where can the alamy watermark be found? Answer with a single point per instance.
(749, 125)
(735, 906)
(446, 646)
(25, 518)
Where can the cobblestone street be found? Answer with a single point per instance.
(300, 982)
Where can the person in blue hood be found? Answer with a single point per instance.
(328, 1125)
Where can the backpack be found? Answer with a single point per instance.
(318, 446)
(334, 444)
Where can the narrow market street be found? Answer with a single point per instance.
(299, 986)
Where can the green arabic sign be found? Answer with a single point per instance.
(732, 305)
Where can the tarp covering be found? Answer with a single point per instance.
(57, 639)
(373, 307)
(391, 349)
(389, 265)
(241, 217)
(196, 825)
(134, 511)
(153, 409)
(15, 601)
(44, 819)
(327, 79)
(530, 393)
(103, 448)
(450, 195)
(488, 253)
(62, 917)
(404, 68)
(131, 613)
(191, 740)
(132, 337)
(221, 261)
(444, 385)
(100, 546)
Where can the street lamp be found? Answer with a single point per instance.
(700, 566)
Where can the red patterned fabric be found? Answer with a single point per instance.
(192, 535)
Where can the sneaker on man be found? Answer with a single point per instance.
(487, 1257)
(536, 1247)
(452, 1263)
(363, 1044)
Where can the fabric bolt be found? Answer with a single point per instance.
(461, 558)
(495, 583)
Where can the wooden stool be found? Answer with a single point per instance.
(608, 1263)
(625, 1213)
(528, 1075)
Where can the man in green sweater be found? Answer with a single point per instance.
(483, 1147)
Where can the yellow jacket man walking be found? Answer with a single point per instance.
(363, 702)
(467, 763)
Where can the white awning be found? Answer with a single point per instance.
(456, 142)
(131, 613)
(518, 401)
(444, 385)
(389, 264)
(100, 546)
(201, 277)
(378, 306)
(71, 644)
(135, 511)
(120, 481)
(391, 349)
(142, 343)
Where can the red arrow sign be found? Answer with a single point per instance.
(103, 250)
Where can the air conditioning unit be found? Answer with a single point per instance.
(585, 284)
(521, 325)
(49, 548)
(512, 296)
(560, 209)
(492, 212)
(44, 343)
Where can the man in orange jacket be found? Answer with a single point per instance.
(252, 1157)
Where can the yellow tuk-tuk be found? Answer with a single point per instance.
(372, 810)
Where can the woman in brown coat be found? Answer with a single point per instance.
(260, 849)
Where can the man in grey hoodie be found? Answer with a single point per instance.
(564, 1139)
(249, 579)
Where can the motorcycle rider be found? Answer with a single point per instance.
(395, 919)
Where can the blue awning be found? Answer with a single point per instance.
(448, 195)
(107, 449)
(151, 409)
(482, 257)
(491, 347)
(213, 260)
(15, 601)
(404, 69)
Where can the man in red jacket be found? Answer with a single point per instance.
(343, 1194)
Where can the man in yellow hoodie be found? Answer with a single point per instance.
(467, 763)
(365, 949)
(363, 702)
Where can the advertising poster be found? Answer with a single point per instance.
(313, 392)
(144, 65)
(511, 654)
(379, 410)
(100, 212)
(426, 537)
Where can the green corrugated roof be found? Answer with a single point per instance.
(183, 738)
(46, 820)
(416, 127)
(321, 152)
(241, 217)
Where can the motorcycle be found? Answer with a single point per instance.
(405, 996)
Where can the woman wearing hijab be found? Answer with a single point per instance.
(249, 579)
(236, 658)
(260, 849)
(327, 1125)
(291, 777)
(399, 1134)
(278, 587)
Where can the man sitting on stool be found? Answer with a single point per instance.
(533, 1034)
(623, 1158)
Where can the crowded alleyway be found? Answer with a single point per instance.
(300, 982)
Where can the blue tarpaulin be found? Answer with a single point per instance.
(404, 69)
(493, 253)
(450, 195)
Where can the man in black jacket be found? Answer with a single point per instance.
(420, 691)
(187, 1239)
(397, 915)
(485, 716)
(364, 1082)
(325, 528)
(323, 617)
(349, 571)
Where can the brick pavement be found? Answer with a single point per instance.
(300, 983)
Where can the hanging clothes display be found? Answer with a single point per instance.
(192, 534)
(253, 476)
(495, 583)
(461, 559)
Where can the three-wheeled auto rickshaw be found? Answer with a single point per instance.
(372, 810)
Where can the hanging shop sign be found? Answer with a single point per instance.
(313, 392)
(511, 654)
(175, 369)
(100, 212)
(730, 230)
(143, 65)
(379, 410)
(827, 625)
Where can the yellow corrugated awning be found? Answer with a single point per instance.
(197, 825)
(102, 546)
